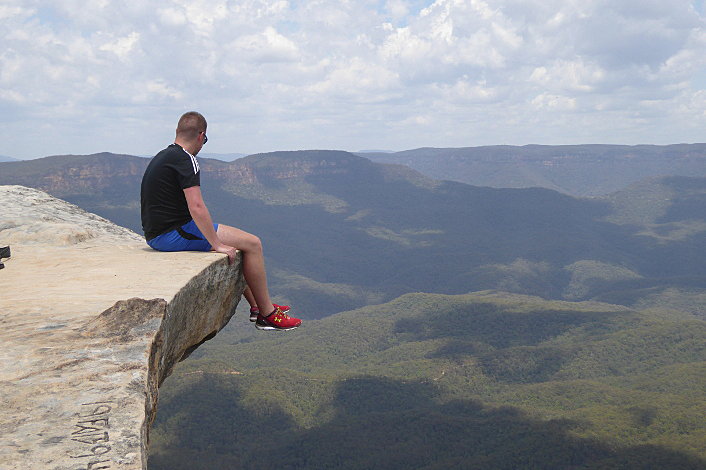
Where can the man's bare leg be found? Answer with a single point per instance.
(253, 264)
(249, 297)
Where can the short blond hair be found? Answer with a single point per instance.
(190, 125)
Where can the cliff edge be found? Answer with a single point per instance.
(91, 322)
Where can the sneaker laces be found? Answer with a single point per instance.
(280, 313)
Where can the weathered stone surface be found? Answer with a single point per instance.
(78, 388)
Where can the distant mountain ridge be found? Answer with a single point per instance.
(342, 231)
(579, 170)
(226, 157)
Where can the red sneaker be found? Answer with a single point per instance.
(254, 312)
(278, 320)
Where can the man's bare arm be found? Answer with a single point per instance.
(202, 218)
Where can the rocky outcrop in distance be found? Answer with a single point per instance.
(93, 321)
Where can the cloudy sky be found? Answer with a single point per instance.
(84, 77)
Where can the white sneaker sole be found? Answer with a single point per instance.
(269, 328)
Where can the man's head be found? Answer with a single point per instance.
(191, 132)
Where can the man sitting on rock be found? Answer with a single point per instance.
(175, 218)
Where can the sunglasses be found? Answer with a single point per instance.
(205, 138)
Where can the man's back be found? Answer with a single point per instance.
(163, 205)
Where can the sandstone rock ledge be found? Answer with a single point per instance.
(91, 322)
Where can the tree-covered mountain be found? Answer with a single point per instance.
(341, 231)
(485, 380)
(443, 378)
(579, 170)
(4, 158)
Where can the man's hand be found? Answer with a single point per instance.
(202, 217)
(228, 250)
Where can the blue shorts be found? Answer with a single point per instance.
(188, 237)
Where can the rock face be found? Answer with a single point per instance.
(92, 321)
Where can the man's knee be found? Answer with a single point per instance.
(240, 239)
(253, 243)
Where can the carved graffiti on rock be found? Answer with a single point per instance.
(91, 432)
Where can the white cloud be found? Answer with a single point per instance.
(350, 74)
(172, 16)
(123, 46)
(557, 102)
(8, 11)
(358, 80)
(397, 9)
(156, 89)
(574, 76)
(266, 46)
(465, 92)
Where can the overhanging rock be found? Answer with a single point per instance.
(91, 322)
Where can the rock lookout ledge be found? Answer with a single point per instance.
(91, 322)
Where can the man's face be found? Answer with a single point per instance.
(202, 139)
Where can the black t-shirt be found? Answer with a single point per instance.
(162, 197)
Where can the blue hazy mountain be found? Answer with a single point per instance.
(580, 170)
(226, 157)
(342, 231)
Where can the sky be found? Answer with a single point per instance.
(83, 77)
